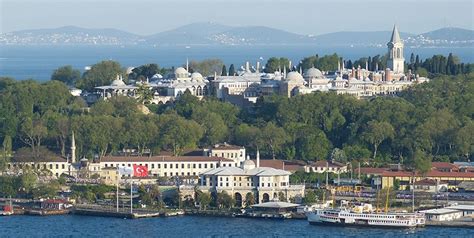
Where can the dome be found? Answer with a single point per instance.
(248, 164)
(180, 70)
(294, 76)
(118, 81)
(196, 76)
(313, 73)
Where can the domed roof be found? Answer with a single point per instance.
(294, 76)
(313, 73)
(118, 81)
(180, 70)
(196, 76)
(248, 164)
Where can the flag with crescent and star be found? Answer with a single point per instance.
(140, 171)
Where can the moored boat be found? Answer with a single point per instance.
(364, 216)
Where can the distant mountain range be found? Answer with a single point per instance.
(217, 34)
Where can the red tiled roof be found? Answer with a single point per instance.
(276, 164)
(324, 163)
(428, 182)
(225, 146)
(163, 159)
(433, 173)
(367, 170)
(443, 165)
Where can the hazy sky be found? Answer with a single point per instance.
(299, 16)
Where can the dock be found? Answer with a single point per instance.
(464, 222)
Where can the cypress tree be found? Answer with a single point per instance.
(232, 70)
(224, 71)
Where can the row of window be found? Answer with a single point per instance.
(176, 166)
(39, 166)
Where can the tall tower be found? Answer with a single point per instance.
(395, 61)
(73, 149)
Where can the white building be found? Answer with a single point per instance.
(262, 183)
(442, 214)
(224, 150)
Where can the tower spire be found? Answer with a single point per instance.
(73, 148)
(395, 35)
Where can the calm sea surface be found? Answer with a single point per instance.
(186, 226)
(38, 62)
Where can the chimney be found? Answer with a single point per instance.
(73, 148)
(258, 158)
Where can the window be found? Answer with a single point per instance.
(165, 174)
(199, 165)
(171, 166)
(63, 166)
(212, 166)
(166, 166)
(182, 166)
(152, 166)
(159, 166)
(189, 166)
(194, 166)
(57, 166)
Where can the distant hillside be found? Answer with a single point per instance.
(212, 33)
(69, 35)
(208, 33)
(451, 34)
(357, 38)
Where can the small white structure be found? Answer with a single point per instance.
(442, 214)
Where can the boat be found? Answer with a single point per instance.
(363, 215)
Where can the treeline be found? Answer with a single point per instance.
(432, 121)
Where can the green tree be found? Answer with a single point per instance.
(273, 137)
(231, 70)
(310, 197)
(66, 74)
(376, 133)
(204, 200)
(224, 200)
(224, 70)
(178, 134)
(206, 67)
(145, 94)
(275, 64)
(249, 199)
(100, 74)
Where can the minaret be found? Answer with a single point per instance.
(258, 158)
(187, 64)
(73, 148)
(395, 61)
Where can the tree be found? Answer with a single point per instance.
(273, 137)
(224, 200)
(204, 200)
(249, 199)
(281, 197)
(338, 155)
(177, 133)
(377, 132)
(145, 94)
(28, 181)
(422, 162)
(100, 74)
(206, 67)
(224, 71)
(33, 131)
(310, 197)
(66, 74)
(275, 64)
(231, 70)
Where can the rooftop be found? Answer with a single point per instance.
(163, 159)
(440, 211)
(276, 204)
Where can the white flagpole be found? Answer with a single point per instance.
(118, 177)
(131, 196)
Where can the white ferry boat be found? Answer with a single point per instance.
(363, 216)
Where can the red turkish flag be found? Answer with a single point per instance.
(140, 171)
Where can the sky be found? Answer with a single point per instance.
(309, 17)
